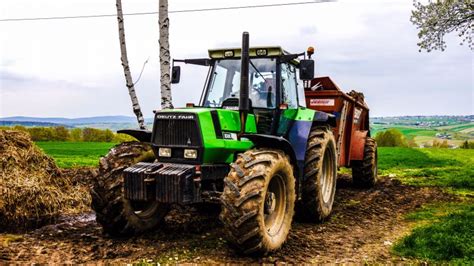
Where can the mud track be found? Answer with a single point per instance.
(362, 228)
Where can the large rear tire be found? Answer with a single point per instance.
(320, 174)
(117, 215)
(364, 173)
(258, 201)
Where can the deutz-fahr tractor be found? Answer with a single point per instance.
(249, 145)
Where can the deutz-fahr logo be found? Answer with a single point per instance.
(175, 116)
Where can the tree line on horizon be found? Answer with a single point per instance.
(61, 133)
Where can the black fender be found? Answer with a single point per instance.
(280, 143)
(324, 118)
(140, 134)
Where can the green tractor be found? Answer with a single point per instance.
(249, 146)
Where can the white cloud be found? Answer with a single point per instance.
(369, 45)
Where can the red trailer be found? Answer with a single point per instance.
(352, 132)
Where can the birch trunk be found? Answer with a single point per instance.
(163, 22)
(126, 68)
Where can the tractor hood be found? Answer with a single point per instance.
(211, 131)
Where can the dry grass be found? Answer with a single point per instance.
(32, 190)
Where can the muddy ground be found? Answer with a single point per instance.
(363, 227)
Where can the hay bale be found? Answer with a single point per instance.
(32, 190)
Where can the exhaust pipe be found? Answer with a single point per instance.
(244, 83)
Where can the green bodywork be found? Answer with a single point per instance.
(222, 150)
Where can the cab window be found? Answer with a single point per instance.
(288, 85)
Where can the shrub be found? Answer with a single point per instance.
(391, 138)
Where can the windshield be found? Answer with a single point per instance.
(224, 82)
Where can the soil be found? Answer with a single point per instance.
(363, 227)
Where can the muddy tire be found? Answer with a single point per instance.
(364, 173)
(320, 174)
(119, 216)
(258, 201)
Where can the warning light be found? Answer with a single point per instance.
(310, 51)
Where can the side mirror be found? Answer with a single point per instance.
(306, 69)
(175, 74)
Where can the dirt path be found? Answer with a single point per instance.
(362, 228)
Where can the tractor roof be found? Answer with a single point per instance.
(264, 51)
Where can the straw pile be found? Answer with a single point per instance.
(32, 190)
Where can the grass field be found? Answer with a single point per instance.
(443, 232)
(73, 154)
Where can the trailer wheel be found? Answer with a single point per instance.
(258, 201)
(117, 215)
(364, 173)
(320, 174)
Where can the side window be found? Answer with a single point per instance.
(288, 85)
(301, 96)
(215, 97)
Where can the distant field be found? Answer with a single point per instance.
(421, 135)
(73, 154)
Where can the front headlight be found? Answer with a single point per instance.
(190, 154)
(164, 152)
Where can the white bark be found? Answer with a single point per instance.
(126, 68)
(163, 23)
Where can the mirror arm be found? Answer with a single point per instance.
(197, 61)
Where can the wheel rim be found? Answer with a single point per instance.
(327, 175)
(275, 205)
(144, 209)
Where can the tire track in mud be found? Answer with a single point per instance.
(362, 228)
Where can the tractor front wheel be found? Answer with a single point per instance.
(258, 200)
(117, 215)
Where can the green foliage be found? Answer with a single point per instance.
(391, 138)
(447, 234)
(467, 145)
(75, 134)
(430, 167)
(440, 144)
(73, 154)
(437, 18)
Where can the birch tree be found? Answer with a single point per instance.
(126, 68)
(163, 23)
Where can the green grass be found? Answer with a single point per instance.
(74, 154)
(446, 234)
(430, 167)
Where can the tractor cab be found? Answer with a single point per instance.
(273, 83)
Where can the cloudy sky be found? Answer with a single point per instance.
(71, 68)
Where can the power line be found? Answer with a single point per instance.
(171, 11)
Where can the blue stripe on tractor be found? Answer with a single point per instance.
(298, 137)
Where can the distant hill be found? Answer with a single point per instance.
(73, 121)
(102, 122)
(30, 124)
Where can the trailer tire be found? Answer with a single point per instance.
(117, 215)
(258, 201)
(320, 175)
(364, 172)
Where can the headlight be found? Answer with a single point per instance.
(164, 152)
(190, 154)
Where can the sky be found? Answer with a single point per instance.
(71, 68)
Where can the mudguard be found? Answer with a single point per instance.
(139, 134)
(323, 117)
(280, 143)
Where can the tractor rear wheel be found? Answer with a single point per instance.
(117, 215)
(364, 173)
(258, 200)
(320, 175)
